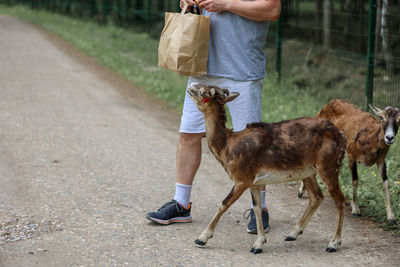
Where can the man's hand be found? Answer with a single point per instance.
(190, 2)
(214, 5)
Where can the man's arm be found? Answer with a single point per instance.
(258, 10)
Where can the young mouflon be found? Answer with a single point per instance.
(368, 141)
(270, 153)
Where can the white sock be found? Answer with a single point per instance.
(263, 205)
(182, 194)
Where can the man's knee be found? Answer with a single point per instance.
(188, 139)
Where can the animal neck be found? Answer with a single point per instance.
(217, 133)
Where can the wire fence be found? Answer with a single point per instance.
(341, 48)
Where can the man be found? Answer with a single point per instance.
(236, 61)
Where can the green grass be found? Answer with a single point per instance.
(133, 53)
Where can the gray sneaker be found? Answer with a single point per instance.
(252, 226)
(171, 212)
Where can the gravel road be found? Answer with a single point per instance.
(84, 156)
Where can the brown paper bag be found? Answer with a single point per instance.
(184, 43)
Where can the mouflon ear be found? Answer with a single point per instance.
(193, 84)
(231, 97)
(378, 112)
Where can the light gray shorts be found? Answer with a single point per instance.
(246, 108)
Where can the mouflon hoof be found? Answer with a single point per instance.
(199, 242)
(289, 238)
(255, 251)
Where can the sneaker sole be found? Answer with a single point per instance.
(173, 220)
(266, 230)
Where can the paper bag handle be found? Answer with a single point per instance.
(195, 7)
(195, 10)
(184, 8)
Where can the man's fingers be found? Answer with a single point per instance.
(203, 3)
(190, 2)
(182, 3)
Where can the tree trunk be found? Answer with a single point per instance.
(385, 35)
(326, 22)
(297, 12)
(318, 21)
(347, 22)
(362, 26)
(378, 26)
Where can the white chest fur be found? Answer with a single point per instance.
(278, 177)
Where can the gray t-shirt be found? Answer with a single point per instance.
(236, 47)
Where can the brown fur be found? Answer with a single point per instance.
(281, 149)
(364, 132)
(365, 136)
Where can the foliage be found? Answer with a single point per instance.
(133, 54)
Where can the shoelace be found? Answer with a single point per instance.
(172, 202)
(250, 212)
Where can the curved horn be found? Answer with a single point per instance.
(377, 111)
(202, 90)
(212, 91)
